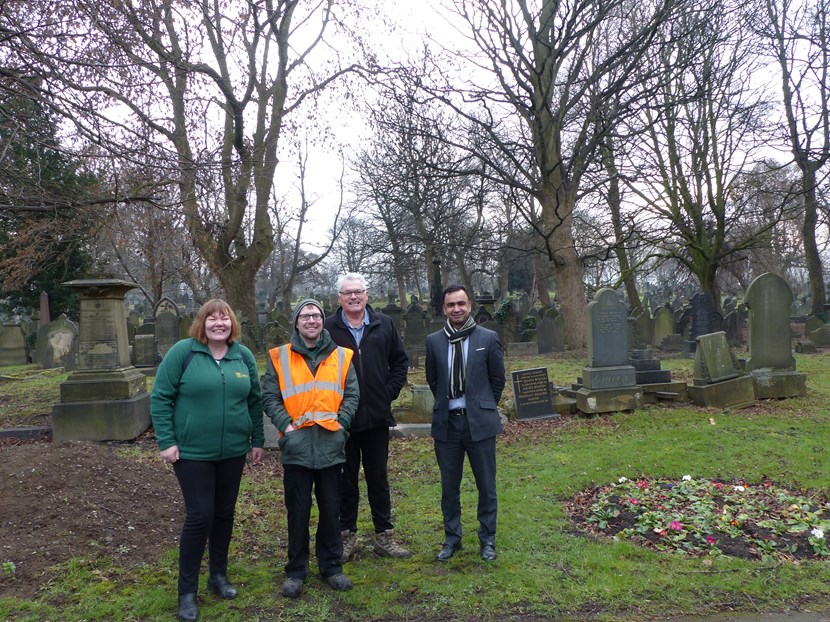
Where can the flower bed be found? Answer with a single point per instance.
(706, 517)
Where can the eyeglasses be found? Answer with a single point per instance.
(307, 317)
(353, 292)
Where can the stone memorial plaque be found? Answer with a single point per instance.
(531, 390)
(716, 357)
(98, 342)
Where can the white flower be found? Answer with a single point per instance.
(739, 488)
(817, 533)
(622, 480)
(687, 478)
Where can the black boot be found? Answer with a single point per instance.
(188, 611)
(221, 586)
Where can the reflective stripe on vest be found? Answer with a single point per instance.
(309, 398)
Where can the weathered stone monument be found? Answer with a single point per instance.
(717, 380)
(548, 336)
(12, 345)
(771, 361)
(45, 317)
(57, 344)
(106, 397)
(166, 313)
(608, 382)
(662, 326)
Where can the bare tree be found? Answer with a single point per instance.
(210, 88)
(798, 36)
(702, 132)
(552, 66)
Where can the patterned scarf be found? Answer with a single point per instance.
(458, 366)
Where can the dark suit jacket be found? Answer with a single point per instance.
(485, 382)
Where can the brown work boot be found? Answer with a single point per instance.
(386, 546)
(351, 545)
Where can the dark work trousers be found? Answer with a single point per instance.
(373, 446)
(210, 489)
(482, 456)
(298, 482)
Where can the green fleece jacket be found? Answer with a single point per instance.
(313, 447)
(210, 411)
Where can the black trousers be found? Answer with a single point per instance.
(482, 455)
(372, 446)
(210, 490)
(298, 483)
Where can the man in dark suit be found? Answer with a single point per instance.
(465, 371)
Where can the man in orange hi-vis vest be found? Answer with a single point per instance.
(311, 392)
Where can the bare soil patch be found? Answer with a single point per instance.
(59, 501)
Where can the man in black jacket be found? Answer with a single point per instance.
(381, 364)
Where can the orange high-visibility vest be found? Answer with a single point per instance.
(311, 399)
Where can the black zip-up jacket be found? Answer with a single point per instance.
(381, 365)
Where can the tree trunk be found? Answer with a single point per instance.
(541, 280)
(808, 232)
(238, 283)
(614, 200)
(566, 267)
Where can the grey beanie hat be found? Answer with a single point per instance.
(303, 303)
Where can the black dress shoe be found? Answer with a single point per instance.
(447, 551)
(221, 586)
(188, 611)
(488, 552)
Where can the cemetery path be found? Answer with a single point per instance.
(58, 501)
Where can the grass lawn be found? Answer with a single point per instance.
(547, 569)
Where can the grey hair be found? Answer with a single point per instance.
(352, 276)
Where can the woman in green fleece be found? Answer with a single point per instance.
(207, 414)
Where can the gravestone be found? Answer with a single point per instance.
(718, 382)
(185, 322)
(608, 381)
(394, 313)
(145, 352)
(532, 394)
(805, 346)
(12, 345)
(702, 319)
(106, 397)
(57, 344)
(811, 324)
(644, 325)
(148, 327)
(416, 330)
(496, 328)
(770, 361)
(662, 326)
(768, 298)
(166, 314)
(821, 336)
(548, 336)
(732, 328)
